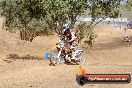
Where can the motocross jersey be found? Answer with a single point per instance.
(70, 38)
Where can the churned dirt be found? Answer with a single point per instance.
(23, 64)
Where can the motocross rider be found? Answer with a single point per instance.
(70, 39)
(129, 27)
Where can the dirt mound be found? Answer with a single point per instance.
(10, 43)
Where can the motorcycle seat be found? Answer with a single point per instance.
(80, 50)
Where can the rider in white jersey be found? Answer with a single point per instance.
(72, 38)
(129, 27)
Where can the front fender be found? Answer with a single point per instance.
(54, 47)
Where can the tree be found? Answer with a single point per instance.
(44, 15)
(129, 5)
(98, 9)
(26, 16)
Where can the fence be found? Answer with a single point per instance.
(117, 23)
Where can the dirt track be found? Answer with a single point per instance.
(19, 69)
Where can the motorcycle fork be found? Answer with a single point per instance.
(59, 54)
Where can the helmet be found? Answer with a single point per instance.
(129, 23)
(67, 26)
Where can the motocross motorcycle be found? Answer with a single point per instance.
(66, 54)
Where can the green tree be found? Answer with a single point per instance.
(26, 16)
(98, 9)
(129, 5)
(42, 16)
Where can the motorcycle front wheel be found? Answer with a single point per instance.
(54, 60)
